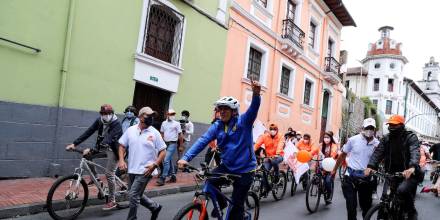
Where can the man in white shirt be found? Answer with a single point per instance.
(187, 130)
(147, 151)
(172, 134)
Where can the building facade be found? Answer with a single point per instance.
(381, 79)
(62, 59)
(292, 48)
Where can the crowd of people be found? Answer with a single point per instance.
(134, 146)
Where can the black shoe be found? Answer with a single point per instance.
(172, 179)
(155, 212)
(412, 215)
(160, 182)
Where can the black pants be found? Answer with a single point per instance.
(355, 189)
(406, 192)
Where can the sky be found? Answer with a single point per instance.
(415, 26)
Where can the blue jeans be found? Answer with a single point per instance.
(328, 183)
(168, 165)
(268, 164)
(136, 185)
(240, 186)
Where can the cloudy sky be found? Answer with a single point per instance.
(415, 25)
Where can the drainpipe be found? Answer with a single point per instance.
(55, 169)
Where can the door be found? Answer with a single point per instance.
(157, 99)
(324, 114)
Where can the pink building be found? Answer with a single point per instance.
(292, 48)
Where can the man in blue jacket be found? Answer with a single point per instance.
(233, 133)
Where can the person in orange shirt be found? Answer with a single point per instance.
(306, 144)
(274, 145)
(328, 149)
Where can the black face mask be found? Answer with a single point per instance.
(395, 131)
(148, 121)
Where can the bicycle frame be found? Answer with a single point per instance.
(84, 166)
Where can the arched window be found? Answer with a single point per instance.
(429, 76)
(376, 65)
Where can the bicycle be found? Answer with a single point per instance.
(197, 209)
(434, 178)
(304, 180)
(316, 187)
(389, 207)
(73, 190)
(278, 189)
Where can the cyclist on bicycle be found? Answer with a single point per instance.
(328, 149)
(234, 139)
(109, 131)
(274, 145)
(400, 151)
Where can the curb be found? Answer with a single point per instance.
(35, 208)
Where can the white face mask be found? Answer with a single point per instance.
(306, 141)
(369, 133)
(327, 140)
(171, 117)
(273, 132)
(107, 118)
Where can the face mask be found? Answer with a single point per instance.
(148, 121)
(327, 140)
(184, 118)
(106, 118)
(129, 114)
(395, 131)
(298, 138)
(306, 141)
(273, 132)
(369, 133)
(171, 117)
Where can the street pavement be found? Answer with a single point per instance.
(294, 207)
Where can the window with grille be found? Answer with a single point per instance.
(307, 92)
(312, 33)
(375, 102)
(347, 84)
(163, 33)
(262, 3)
(291, 8)
(254, 64)
(390, 85)
(285, 81)
(376, 84)
(389, 107)
(330, 48)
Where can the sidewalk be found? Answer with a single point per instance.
(28, 196)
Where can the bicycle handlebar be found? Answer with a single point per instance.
(387, 175)
(205, 173)
(75, 150)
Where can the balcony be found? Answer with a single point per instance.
(293, 38)
(331, 71)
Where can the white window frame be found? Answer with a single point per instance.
(298, 11)
(315, 38)
(264, 59)
(312, 90)
(142, 30)
(291, 67)
(268, 12)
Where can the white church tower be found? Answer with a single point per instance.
(430, 83)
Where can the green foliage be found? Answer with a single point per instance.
(371, 111)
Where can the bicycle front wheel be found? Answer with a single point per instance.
(279, 188)
(293, 187)
(252, 205)
(193, 210)
(377, 212)
(313, 196)
(67, 198)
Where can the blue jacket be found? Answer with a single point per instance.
(233, 140)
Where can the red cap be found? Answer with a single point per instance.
(106, 109)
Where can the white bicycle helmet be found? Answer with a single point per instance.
(229, 101)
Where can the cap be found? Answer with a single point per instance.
(171, 111)
(273, 127)
(396, 119)
(106, 109)
(369, 122)
(146, 110)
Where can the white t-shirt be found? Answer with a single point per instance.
(360, 151)
(144, 147)
(189, 130)
(170, 130)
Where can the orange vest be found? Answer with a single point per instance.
(307, 147)
(274, 146)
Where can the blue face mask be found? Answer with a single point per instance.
(129, 114)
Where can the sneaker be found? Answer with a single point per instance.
(109, 206)
(172, 179)
(374, 196)
(160, 182)
(155, 212)
(328, 201)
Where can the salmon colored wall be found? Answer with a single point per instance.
(234, 84)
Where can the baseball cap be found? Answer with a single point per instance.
(171, 111)
(396, 119)
(146, 110)
(106, 109)
(369, 122)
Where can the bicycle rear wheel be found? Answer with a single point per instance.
(190, 211)
(313, 196)
(67, 198)
(293, 187)
(377, 212)
(279, 188)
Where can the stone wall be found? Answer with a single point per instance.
(352, 116)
